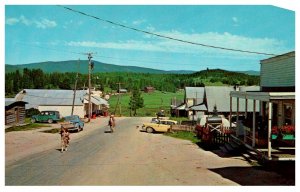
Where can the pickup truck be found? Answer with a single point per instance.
(73, 123)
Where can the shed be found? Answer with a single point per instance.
(14, 112)
(122, 90)
(149, 89)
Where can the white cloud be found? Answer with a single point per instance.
(234, 19)
(129, 45)
(45, 23)
(138, 22)
(227, 40)
(12, 21)
(42, 23)
(25, 21)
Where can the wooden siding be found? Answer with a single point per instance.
(278, 72)
(15, 115)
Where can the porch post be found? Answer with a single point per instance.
(237, 108)
(253, 123)
(246, 110)
(269, 130)
(237, 116)
(230, 113)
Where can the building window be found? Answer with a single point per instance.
(288, 114)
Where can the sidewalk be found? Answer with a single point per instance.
(19, 144)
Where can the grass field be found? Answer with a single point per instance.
(153, 102)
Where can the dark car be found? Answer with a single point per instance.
(46, 116)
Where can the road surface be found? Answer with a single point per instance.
(130, 157)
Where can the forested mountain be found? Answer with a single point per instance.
(82, 67)
(38, 79)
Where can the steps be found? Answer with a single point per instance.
(233, 148)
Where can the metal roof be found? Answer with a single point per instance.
(195, 93)
(98, 100)
(36, 97)
(220, 96)
(201, 107)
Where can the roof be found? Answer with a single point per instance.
(98, 100)
(264, 96)
(279, 57)
(36, 97)
(10, 102)
(220, 96)
(201, 107)
(195, 93)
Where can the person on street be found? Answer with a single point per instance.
(112, 123)
(65, 139)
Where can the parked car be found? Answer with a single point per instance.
(75, 123)
(46, 116)
(162, 125)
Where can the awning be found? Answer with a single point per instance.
(98, 100)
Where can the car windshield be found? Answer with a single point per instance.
(70, 118)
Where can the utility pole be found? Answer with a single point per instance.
(89, 77)
(75, 87)
(119, 99)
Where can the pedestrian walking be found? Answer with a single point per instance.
(112, 123)
(65, 138)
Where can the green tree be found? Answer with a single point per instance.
(136, 101)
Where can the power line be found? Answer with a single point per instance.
(164, 36)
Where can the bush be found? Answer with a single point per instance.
(32, 111)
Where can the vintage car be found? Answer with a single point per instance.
(162, 125)
(73, 123)
(46, 116)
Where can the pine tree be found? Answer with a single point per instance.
(136, 101)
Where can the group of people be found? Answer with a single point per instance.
(65, 134)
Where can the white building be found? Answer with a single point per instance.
(61, 100)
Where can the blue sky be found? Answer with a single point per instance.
(35, 33)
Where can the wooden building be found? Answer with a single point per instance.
(14, 112)
(149, 89)
(272, 132)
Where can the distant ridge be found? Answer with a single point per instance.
(82, 67)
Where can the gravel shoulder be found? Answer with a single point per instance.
(20, 144)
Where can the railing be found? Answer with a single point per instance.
(285, 132)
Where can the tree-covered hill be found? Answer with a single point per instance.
(38, 79)
(82, 67)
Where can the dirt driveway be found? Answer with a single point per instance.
(125, 158)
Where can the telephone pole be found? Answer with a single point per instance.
(119, 99)
(75, 87)
(91, 66)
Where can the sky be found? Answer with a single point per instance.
(37, 33)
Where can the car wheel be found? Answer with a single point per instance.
(77, 127)
(149, 130)
(33, 120)
(50, 120)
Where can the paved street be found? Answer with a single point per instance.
(130, 157)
